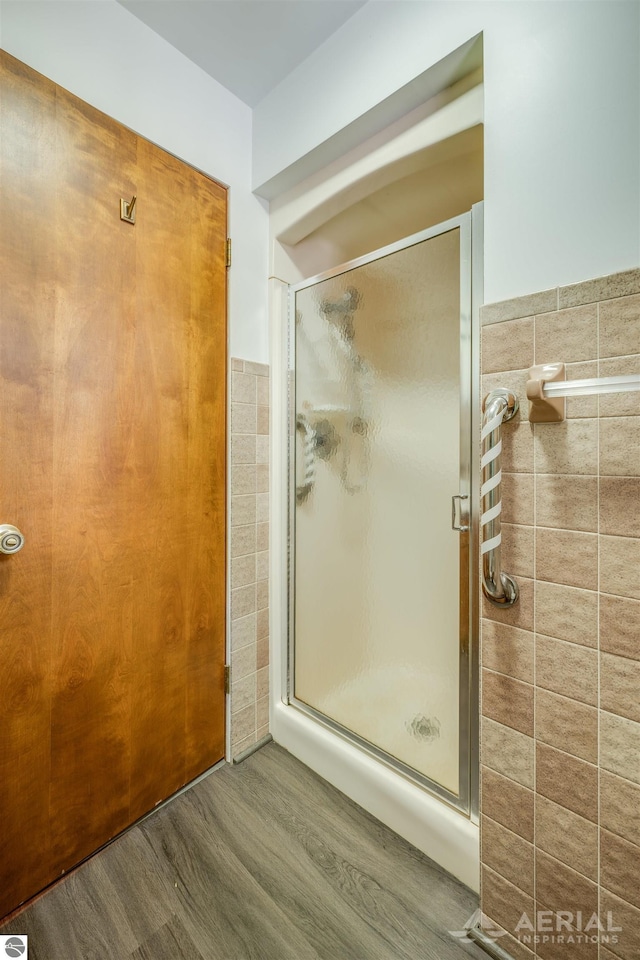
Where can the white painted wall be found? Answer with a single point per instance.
(103, 54)
(562, 122)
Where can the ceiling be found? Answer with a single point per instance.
(248, 46)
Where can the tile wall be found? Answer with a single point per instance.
(560, 742)
(249, 554)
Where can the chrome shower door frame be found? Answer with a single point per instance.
(466, 800)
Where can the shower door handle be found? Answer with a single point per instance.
(456, 511)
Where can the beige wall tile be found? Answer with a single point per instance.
(243, 601)
(243, 418)
(243, 693)
(507, 751)
(620, 685)
(567, 837)
(507, 854)
(517, 447)
(243, 449)
(517, 498)
(262, 420)
(243, 570)
(508, 701)
(240, 746)
(520, 614)
(237, 364)
(620, 566)
(527, 306)
(567, 668)
(262, 565)
(262, 715)
(508, 650)
(504, 902)
(620, 806)
(620, 506)
(243, 510)
(515, 948)
(514, 380)
(620, 867)
(620, 626)
(567, 335)
(263, 624)
(258, 369)
(243, 388)
(567, 613)
(243, 663)
(508, 803)
(517, 550)
(507, 345)
(243, 631)
(262, 595)
(262, 682)
(567, 502)
(623, 915)
(243, 725)
(262, 537)
(570, 447)
(262, 658)
(262, 731)
(606, 954)
(602, 288)
(619, 404)
(620, 746)
(262, 478)
(243, 540)
(570, 782)
(563, 556)
(262, 391)
(567, 725)
(262, 449)
(262, 508)
(587, 539)
(582, 406)
(243, 479)
(620, 327)
(620, 446)
(558, 887)
(566, 950)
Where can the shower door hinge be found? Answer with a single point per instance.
(227, 678)
(228, 252)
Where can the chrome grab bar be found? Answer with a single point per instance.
(498, 407)
(309, 454)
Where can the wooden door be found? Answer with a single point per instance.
(112, 464)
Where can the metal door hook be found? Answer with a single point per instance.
(127, 209)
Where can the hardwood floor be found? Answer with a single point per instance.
(262, 861)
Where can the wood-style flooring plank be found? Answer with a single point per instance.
(261, 861)
(167, 943)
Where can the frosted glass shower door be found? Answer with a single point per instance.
(379, 605)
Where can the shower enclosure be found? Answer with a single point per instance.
(382, 530)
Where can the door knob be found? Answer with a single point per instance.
(11, 540)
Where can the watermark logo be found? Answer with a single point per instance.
(567, 927)
(547, 926)
(14, 946)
